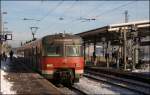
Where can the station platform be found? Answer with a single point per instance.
(102, 66)
(16, 78)
(141, 75)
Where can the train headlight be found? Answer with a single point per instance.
(77, 64)
(49, 65)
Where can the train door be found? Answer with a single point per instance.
(25, 53)
(40, 58)
(36, 58)
(27, 56)
(32, 57)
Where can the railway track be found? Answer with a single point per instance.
(70, 90)
(135, 86)
(74, 89)
(78, 91)
(123, 85)
(123, 74)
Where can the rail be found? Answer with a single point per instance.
(137, 87)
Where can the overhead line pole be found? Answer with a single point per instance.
(125, 42)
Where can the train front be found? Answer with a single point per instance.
(63, 61)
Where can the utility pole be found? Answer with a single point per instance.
(135, 52)
(125, 41)
(126, 16)
(124, 48)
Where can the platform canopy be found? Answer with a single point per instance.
(112, 32)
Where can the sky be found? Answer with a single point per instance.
(53, 17)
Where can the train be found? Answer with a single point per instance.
(57, 57)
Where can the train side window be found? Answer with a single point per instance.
(39, 50)
(35, 50)
(32, 51)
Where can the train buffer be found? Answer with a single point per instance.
(17, 79)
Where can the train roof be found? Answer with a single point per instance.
(63, 36)
(52, 37)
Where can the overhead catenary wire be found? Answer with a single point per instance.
(50, 11)
(106, 12)
(79, 18)
(69, 8)
(112, 10)
(93, 10)
(33, 18)
(82, 17)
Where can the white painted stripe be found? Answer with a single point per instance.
(79, 71)
(47, 71)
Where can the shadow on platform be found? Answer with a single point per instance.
(15, 66)
(19, 79)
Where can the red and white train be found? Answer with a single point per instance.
(57, 57)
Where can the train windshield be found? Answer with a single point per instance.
(73, 50)
(53, 50)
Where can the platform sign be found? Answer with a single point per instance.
(8, 37)
(5, 37)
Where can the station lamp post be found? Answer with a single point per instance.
(1, 30)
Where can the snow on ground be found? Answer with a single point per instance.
(5, 84)
(67, 91)
(146, 69)
(141, 70)
(92, 87)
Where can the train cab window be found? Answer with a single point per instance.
(54, 50)
(73, 50)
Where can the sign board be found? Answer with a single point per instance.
(5, 37)
(8, 37)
